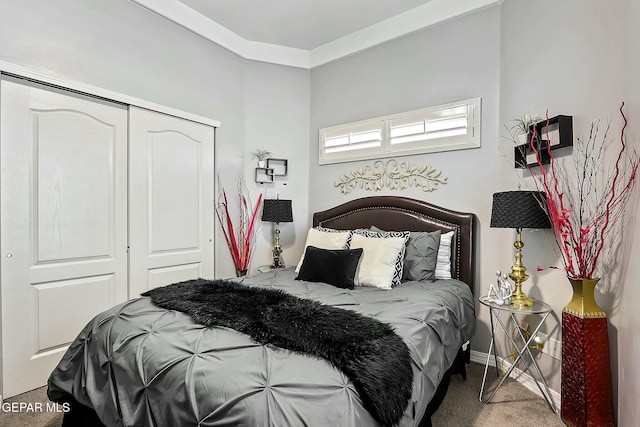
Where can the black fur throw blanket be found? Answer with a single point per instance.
(368, 351)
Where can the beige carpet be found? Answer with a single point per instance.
(9, 418)
(513, 405)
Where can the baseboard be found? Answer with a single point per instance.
(522, 377)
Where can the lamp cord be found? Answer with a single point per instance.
(514, 335)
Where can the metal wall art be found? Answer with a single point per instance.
(390, 174)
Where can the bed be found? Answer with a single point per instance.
(141, 363)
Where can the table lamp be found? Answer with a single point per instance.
(277, 210)
(519, 209)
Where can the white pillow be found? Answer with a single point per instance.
(443, 264)
(381, 263)
(325, 238)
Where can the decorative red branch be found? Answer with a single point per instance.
(241, 239)
(582, 209)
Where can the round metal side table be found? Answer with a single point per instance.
(520, 342)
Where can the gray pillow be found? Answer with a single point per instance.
(420, 256)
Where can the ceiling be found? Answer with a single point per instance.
(307, 33)
(304, 24)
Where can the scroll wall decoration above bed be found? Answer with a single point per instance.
(390, 174)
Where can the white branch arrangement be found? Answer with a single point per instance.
(390, 174)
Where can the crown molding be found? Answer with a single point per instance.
(192, 20)
(431, 13)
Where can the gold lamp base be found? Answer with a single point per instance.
(519, 299)
(277, 250)
(519, 275)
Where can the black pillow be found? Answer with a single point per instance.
(337, 267)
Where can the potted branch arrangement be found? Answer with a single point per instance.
(240, 237)
(586, 205)
(261, 155)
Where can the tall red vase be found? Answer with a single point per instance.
(587, 398)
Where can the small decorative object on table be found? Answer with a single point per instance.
(586, 210)
(501, 292)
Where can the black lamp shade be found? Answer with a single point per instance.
(277, 210)
(519, 209)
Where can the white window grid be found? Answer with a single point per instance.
(452, 126)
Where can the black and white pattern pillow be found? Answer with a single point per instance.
(383, 256)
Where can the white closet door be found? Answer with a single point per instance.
(63, 223)
(171, 200)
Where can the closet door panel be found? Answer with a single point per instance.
(171, 200)
(174, 192)
(176, 273)
(75, 217)
(63, 222)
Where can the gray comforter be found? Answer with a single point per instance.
(137, 364)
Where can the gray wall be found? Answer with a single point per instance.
(119, 46)
(570, 61)
(456, 60)
(277, 117)
(628, 319)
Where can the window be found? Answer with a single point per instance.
(454, 126)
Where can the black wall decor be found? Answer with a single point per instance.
(553, 134)
(274, 167)
(279, 167)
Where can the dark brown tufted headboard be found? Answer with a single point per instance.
(402, 213)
